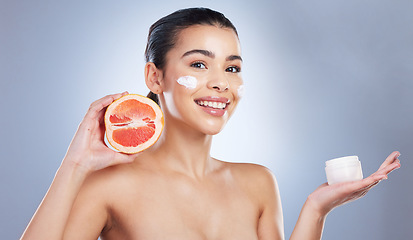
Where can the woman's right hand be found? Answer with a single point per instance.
(88, 149)
(87, 153)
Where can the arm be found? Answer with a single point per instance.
(325, 198)
(86, 154)
(271, 223)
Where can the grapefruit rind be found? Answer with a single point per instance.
(110, 128)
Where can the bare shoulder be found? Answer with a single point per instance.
(110, 178)
(262, 187)
(256, 178)
(251, 172)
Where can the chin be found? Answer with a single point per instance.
(213, 130)
(212, 133)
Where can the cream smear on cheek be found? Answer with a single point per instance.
(241, 91)
(188, 82)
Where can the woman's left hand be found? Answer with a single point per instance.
(327, 197)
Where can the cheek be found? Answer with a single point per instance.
(178, 96)
(240, 91)
(189, 82)
(237, 87)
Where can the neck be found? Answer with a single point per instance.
(182, 149)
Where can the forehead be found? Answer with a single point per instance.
(215, 39)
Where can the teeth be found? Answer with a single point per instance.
(219, 105)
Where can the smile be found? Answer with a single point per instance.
(212, 104)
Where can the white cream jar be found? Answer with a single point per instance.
(344, 169)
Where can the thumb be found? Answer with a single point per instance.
(122, 158)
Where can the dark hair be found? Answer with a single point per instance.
(163, 33)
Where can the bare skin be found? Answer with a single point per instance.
(222, 204)
(175, 189)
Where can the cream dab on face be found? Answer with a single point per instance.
(241, 90)
(188, 82)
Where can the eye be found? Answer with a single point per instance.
(198, 65)
(233, 69)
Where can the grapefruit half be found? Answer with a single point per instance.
(133, 123)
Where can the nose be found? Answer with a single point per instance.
(218, 82)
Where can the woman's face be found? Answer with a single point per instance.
(202, 82)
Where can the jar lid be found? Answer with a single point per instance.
(349, 160)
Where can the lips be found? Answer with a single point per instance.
(216, 105)
(213, 105)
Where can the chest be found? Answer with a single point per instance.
(177, 209)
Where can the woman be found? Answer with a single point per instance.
(175, 189)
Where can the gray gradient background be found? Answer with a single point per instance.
(324, 79)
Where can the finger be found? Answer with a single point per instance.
(359, 191)
(102, 113)
(374, 178)
(389, 168)
(376, 181)
(124, 158)
(95, 109)
(396, 164)
(364, 184)
(390, 159)
(102, 130)
(94, 116)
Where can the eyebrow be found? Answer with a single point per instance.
(210, 54)
(234, 57)
(203, 52)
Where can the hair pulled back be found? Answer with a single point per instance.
(163, 33)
